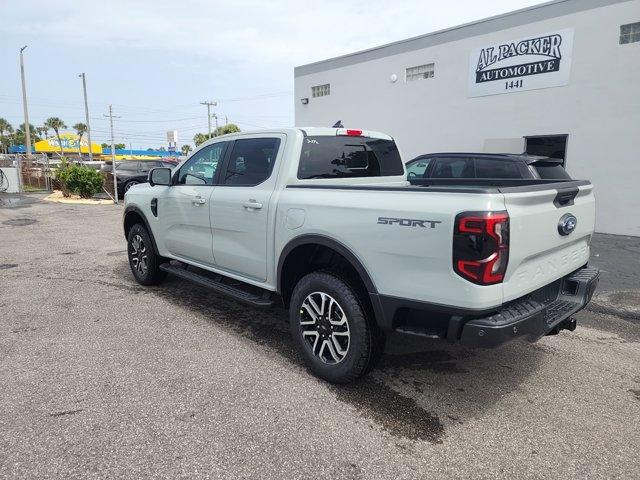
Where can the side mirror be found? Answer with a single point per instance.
(160, 176)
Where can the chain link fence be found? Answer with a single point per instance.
(33, 174)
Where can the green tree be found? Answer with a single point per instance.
(226, 129)
(105, 145)
(119, 146)
(19, 136)
(80, 129)
(222, 130)
(5, 127)
(186, 149)
(199, 138)
(21, 133)
(56, 124)
(43, 132)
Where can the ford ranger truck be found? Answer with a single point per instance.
(324, 222)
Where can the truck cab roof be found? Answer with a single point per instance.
(528, 159)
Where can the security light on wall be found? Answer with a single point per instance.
(304, 100)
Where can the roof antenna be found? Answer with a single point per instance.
(338, 124)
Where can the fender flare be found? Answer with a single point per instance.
(135, 209)
(325, 242)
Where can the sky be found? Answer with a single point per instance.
(156, 60)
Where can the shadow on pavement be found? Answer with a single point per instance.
(420, 385)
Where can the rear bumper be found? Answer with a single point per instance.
(541, 313)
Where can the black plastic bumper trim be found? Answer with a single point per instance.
(531, 319)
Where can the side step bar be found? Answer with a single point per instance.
(255, 300)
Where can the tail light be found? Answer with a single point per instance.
(481, 246)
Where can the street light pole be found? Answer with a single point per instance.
(27, 130)
(86, 113)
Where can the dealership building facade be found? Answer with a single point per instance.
(560, 79)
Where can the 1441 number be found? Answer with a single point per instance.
(513, 84)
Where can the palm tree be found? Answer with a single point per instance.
(5, 126)
(43, 132)
(80, 129)
(21, 132)
(56, 124)
(186, 149)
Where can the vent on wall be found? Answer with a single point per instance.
(630, 33)
(420, 72)
(321, 90)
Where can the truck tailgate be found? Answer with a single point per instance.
(538, 252)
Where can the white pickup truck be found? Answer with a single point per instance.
(324, 222)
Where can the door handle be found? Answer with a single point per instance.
(198, 201)
(252, 205)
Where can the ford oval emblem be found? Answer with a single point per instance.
(567, 224)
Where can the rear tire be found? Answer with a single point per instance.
(330, 327)
(143, 260)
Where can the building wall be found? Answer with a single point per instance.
(599, 109)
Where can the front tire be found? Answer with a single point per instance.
(130, 184)
(331, 329)
(143, 260)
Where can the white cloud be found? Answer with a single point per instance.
(264, 32)
(215, 49)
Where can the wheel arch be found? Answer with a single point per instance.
(133, 215)
(312, 243)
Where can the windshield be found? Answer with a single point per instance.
(341, 156)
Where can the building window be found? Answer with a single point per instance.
(630, 33)
(420, 72)
(321, 90)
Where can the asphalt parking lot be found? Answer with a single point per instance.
(104, 378)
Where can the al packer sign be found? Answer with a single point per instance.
(540, 61)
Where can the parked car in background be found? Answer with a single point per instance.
(485, 166)
(132, 172)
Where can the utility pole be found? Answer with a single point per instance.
(86, 113)
(209, 105)
(27, 132)
(216, 117)
(113, 157)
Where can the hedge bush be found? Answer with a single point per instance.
(79, 180)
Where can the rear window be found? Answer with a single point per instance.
(453, 168)
(551, 171)
(490, 168)
(127, 166)
(337, 157)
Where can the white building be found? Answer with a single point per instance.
(561, 79)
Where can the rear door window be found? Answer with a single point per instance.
(458, 167)
(341, 156)
(492, 168)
